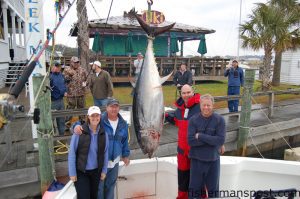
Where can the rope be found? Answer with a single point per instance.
(61, 148)
(274, 125)
(250, 133)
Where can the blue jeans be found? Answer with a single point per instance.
(107, 187)
(100, 102)
(60, 121)
(233, 105)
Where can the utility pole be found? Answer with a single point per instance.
(44, 132)
(246, 113)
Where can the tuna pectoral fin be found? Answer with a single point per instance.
(163, 79)
(132, 83)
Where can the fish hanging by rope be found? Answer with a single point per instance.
(148, 102)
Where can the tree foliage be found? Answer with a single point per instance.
(273, 28)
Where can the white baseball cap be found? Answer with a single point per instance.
(97, 63)
(94, 109)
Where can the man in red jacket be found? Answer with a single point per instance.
(187, 106)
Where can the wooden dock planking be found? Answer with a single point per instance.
(21, 155)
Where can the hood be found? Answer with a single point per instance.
(191, 102)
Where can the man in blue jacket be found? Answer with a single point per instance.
(117, 129)
(206, 134)
(58, 91)
(235, 80)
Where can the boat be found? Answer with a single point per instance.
(241, 177)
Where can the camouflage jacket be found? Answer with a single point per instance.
(75, 79)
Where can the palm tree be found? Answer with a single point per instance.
(83, 33)
(287, 38)
(258, 33)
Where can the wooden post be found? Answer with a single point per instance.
(175, 64)
(181, 49)
(271, 104)
(201, 67)
(45, 136)
(214, 68)
(246, 113)
(114, 67)
(130, 66)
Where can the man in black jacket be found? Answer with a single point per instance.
(182, 77)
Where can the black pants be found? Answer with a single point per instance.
(87, 184)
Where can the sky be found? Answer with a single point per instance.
(220, 15)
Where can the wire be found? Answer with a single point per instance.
(108, 13)
(94, 9)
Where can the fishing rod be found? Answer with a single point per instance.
(7, 106)
(16, 90)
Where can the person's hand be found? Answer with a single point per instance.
(197, 136)
(83, 84)
(126, 161)
(103, 176)
(73, 178)
(78, 129)
(66, 94)
(222, 149)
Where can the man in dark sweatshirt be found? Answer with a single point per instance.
(206, 134)
(100, 85)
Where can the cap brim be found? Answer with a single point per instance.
(115, 103)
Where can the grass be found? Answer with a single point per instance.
(215, 88)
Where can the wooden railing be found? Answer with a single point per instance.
(269, 106)
(123, 66)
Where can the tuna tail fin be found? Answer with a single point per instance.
(163, 79)
(150, 30)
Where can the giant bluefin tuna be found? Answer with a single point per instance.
(148, 101)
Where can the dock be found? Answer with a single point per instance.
(19, 158)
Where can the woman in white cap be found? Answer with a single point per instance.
(88, 156)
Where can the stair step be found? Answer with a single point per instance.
(15, 70)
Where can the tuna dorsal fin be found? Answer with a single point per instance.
(150, 30)
(163, 79)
